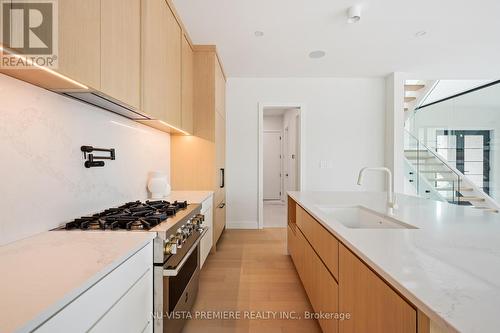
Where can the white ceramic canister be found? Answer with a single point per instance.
(158, 185)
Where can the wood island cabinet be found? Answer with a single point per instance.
(336, 280)
(374, 306)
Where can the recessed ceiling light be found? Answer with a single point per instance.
(258, 33)
(317, 54)
(354, 14)
(420, 33)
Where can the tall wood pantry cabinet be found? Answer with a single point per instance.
(198, 162)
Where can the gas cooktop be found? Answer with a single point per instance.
(130, 216)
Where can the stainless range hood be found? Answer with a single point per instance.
(104, 102)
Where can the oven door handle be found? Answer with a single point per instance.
(175, 271)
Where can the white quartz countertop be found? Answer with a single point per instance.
(449, 267)
(43, 273)
(194, 197)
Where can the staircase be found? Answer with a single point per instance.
(415, 93)
(433, 177)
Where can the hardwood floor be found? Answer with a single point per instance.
(251, 271)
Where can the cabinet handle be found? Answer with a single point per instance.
(222, 205)
(222, 178)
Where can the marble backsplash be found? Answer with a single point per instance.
(43, 182)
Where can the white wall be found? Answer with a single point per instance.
(344, 123)
(273, 123)
(394, 128)
(43, 180)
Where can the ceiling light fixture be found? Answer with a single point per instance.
(258, 33)
(420, 33)
(354, 14)
(317, 54)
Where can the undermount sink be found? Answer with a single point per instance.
(358, 217)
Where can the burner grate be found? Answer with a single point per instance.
(134, 215)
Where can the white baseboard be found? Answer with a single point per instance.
(242, 225)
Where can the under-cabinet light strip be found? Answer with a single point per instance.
(175, 128)
(48, 70)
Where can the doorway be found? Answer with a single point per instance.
(279, 161)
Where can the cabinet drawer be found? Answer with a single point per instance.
(219, 220)
(87, 309)
(374, 306)
(131, 314)
(320, 286)
(323, 242)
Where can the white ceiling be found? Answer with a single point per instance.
(462, 40)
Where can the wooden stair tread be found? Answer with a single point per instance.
(410, 99)
(472, 198)
(428, 164)
(466, 189)
(442, 179)
(487, 209)
(414, 87)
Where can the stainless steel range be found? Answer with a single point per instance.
(176, 255)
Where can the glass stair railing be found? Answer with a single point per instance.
(434, 178)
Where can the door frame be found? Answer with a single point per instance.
(281, 163)
(301, 151)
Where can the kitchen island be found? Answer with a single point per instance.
(444, 265)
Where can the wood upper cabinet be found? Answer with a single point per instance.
(220, 90)
(209, 92)
(121, 50)
(161, 63)
(204, 94)
(79, 36)
(187, 86)
(154, 58)
(80, 41)
(174, 70)
(373, 305)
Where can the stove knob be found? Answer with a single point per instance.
(186, 230)
(175, 239)
(171, 247)
(180, 239)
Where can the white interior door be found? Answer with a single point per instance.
(272, 165)
(474, 159)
